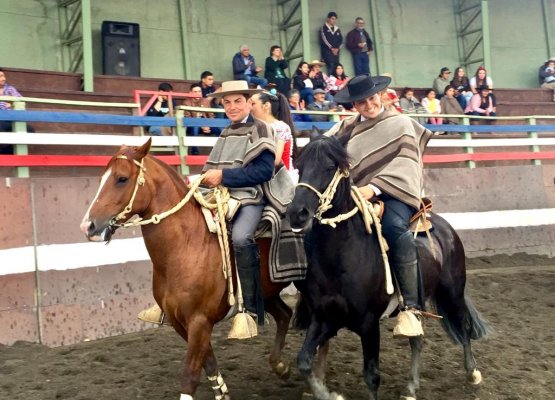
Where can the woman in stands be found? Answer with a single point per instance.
(482, 104)
(337, 80)
(481, 78)
(302, 81)
(274, 110)
(460, 82)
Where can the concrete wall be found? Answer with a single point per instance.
(415, 38)
(87, 290)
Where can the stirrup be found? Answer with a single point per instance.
(153, 315)
(409, 324)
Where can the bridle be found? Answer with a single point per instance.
(156, 218)
(326, 199)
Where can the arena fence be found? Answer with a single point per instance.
(58, 289)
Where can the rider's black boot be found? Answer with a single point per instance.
(248, 266)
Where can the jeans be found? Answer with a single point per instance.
(396, 217)
(255, 80)
(245, 224)
(361, 62)
(307, 94)
(155, 130)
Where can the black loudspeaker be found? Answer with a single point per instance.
(121, 50)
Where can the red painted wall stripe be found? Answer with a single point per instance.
(40, 160)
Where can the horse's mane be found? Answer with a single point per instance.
(324, 146)
(329, 147)
(175, 177)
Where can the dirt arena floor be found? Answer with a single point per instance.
(515, 294)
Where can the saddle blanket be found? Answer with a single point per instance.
(287, 256)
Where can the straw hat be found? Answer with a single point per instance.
(316, 62)
(235, 87)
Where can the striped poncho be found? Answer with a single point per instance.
(238, 145)
(386, 152)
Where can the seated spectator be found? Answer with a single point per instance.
(274, 70)
(216, 102)
(198, 102)
(319, 78)
(460, 82)
(337, 80)
(411, 105)
(245, 69)
(441, 82)
(450, 105)
(207, 83)
(161, 108)
(432, 106)
(321, 104)
(480, 78)
(303, 83)
(546, 75)
(295, 103)
(6, 126)
(482, 104)
(390, 100)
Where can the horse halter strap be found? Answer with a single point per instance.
(140, 182)
(327, 197)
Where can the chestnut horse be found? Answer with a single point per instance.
(188, 282)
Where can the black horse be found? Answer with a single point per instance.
(345, 285)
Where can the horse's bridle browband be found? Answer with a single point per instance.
(327, 197)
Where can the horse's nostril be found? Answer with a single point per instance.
(91, 227)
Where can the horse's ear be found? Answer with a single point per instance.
(315, 134)
(144, 149)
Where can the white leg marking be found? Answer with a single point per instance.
(185, 397)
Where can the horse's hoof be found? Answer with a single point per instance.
(282, 370)
(475, 377)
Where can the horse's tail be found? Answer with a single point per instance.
(463, 322)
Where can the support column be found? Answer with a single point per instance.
(88, 73)
(305, 24)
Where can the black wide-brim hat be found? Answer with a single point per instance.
(361, 87)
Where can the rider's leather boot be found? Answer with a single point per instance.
(153, 315)
(404, 260)
(248, 267)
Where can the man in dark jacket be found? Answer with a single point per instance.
(360, 45)
(330, 42)
(245, 69)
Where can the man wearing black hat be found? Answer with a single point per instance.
(386, 150)
(330, 42)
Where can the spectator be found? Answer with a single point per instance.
(274, 110)
(389, 97)
(319, 78)
(480, 78)
(274, 70)
(441, 82)
(303, 83)
(432, 106)
(360, 45)
(207, 83)
(161, 108)
(460, 82)
(6, 126)
(245, 69)
(450, 105)
(295, 103)
(321, 104)
(330, 41)
(482, 104)
(410, 104)
(337, 80)
(198, 102)
(546, 75)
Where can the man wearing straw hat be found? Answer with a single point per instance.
(386, 150)
(243, 160)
